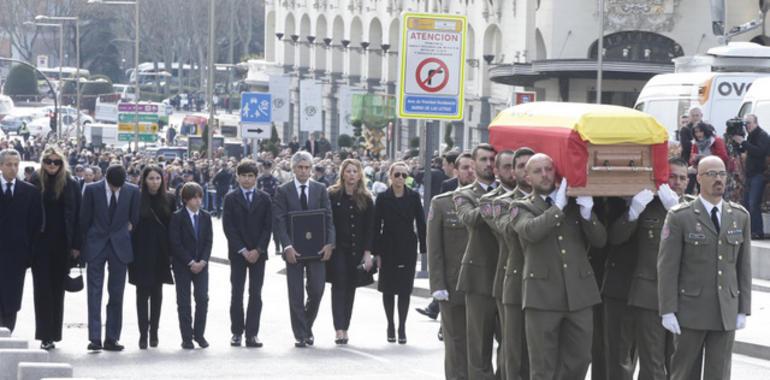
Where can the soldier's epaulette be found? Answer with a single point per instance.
(447, 194)
(680, 206)
(689, 198)
(466, 187)
(738, 206)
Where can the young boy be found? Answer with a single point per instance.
(191, 237)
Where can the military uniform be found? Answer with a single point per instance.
(447, 238)
(559, 288)
(476, 279)
(514, 341)
(704, 277)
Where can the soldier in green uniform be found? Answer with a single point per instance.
(447, 238)
(479, 262)
(641, 227)
(704, 275)
(558, 288)
(508, 280)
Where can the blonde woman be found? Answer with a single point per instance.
(398, 213)
(353, 214)
(58, 246)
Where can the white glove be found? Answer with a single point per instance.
(667, 196)
(586, 204)
(740, 323)
(441, 295)
(638, 203)
(670, 323)
(561, 195)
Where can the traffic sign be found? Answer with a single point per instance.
(131, 107)
(432, 58)
(142, 137)
(256, 108)
(143, 128)
(125, 117)
(255, 131)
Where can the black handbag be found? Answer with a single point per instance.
(74, 284)
(364, 277)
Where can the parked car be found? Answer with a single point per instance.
(12, 124)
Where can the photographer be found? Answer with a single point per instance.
(755, 146)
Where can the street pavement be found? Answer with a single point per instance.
(367, 356)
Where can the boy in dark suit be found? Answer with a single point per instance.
(191, 237)
(247, 222)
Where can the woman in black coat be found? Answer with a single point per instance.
(151, 267)
(353, 213)
(58, 246)
(397, 211)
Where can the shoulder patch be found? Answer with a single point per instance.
(459, 201)
(514, 212)
(738, 206)
(665, 232)
(486, 210)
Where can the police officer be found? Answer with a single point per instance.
(479, 263)
(447, 238)
(504, 167)
(508, 282)
(559, 288)
(640, 228)
(704, 275)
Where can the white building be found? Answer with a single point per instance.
(546, 46)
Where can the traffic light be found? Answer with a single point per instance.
(53, 121)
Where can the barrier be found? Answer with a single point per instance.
(11, 357)
(37, 371)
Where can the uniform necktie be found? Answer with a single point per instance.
(714, 218)
(113, 206)
(549, 201)
(303, 197)
(196, 226)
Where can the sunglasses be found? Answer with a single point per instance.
(49, 161)
(400, 175)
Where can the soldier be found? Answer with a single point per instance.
(479, 262)
(641, 228)
(504, 166)
(508, 282)
(704, 275)
(447, 238)
(559, 288)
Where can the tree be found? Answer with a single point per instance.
(21, 82)
(345, 141)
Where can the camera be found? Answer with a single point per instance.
(735, 127)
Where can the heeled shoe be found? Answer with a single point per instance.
(153, 339)
(401, 336)
(391, 334)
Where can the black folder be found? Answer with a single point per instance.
(308, 233)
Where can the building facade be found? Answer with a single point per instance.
(546, 46)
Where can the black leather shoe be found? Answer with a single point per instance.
(95, 346)
(47, 345)
(153, 339)
(300, 344)
(187, 345)
(202, 342)
(235, 341)
(339, 341)
(253, 342)
(391, 334)
(310, 340)
(427, 312)
(143, 342)
(112, 345)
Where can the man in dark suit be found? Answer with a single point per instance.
(191, 237)
(311, 145)
(21, 217)
(298, 195)
(109, 210)
(246, 220)
(450, 169)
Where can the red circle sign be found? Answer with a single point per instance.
(426, 81)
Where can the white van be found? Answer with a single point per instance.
(718, 94)
(757, 101)
(101, 133)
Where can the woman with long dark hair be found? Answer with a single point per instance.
(58, 246)
(151, 267)
(397, 212)
(353, 213)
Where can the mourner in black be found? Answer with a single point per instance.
(353, 214)
(397, 210)
(151, 267)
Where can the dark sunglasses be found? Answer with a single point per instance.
(49, 161)
(400, 175)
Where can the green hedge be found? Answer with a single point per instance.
(21, 81)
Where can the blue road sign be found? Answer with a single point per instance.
(256, 108)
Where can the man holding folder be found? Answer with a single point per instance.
(293, 199)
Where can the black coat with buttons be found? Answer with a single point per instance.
(354, 231)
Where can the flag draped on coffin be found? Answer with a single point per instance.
(564, 130)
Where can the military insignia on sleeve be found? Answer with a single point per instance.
(664, 234)
(459, 201)
(486, 210)
(430, 214)
(497, 210)
(514, 212)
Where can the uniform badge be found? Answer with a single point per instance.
(514, 212)
(459, 202)
(665, 232)
(486, 210)
(308, 235)
(698, 227)
(497, 210)
(430, 214)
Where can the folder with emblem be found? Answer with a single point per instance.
(308, 233)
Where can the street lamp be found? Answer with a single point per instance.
(61, 62)
(135, 4)
(76, 20)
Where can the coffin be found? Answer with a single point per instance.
(602, 150)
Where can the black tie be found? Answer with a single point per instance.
(196, 226)
(8, 192)
(248, 197)
(549, 201)
(303, 197)
(113, 206)
(714, 218)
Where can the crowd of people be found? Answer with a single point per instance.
(661, 279)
